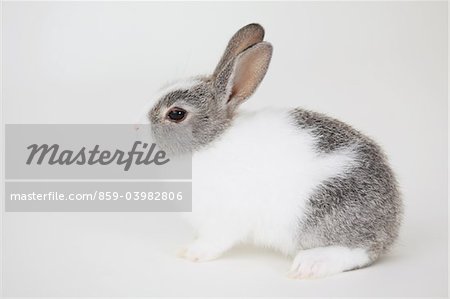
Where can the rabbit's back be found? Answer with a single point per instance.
(360, 208)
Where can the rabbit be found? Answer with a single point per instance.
(299, 182)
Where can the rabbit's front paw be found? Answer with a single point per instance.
(200, 251)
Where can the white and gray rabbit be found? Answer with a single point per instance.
(292, 180)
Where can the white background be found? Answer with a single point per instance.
(379, 66)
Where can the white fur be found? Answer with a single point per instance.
(252, 184)
(182, 84)
(323, 261)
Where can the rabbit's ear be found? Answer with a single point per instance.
(246, 37)
(241, 76)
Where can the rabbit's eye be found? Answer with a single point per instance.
(176, 114)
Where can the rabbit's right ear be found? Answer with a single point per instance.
(246, 37)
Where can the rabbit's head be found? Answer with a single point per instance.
(192, 113)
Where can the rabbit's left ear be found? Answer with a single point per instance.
(241, 76)
(244, 38)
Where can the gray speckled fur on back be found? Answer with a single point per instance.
(362, 208)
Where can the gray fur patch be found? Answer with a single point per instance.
(362, 208)
(207, 118)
